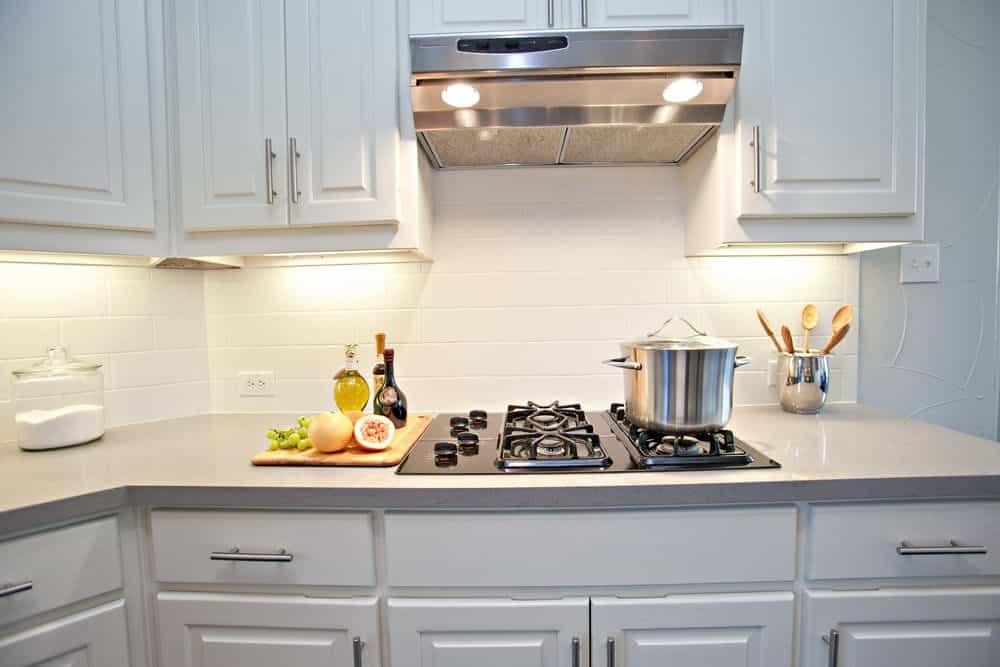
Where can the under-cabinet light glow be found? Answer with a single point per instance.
(682, 90)
(460, 95)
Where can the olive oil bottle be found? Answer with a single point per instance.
(351, 391)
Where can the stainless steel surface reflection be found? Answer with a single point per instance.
(804, 381)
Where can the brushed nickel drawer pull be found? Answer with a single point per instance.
(755, 142)
(833, 642)
(552, 13)
(358, 647)
(237, 555)
(952, 548)
(269, 156)
(575, 656)
(14, 589)
(611, 652)
(293, 170)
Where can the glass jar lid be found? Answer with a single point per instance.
(57, 361)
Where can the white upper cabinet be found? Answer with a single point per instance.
(489, 633)
(651, 13)
(834, 95)
(444, 16)
(835, 90)
(231, 106)
(916, 628)
(75, 125)
(342, 112)
(735, 630)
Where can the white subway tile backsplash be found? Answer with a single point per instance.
(146, 327)
(538, 275)
(108, 334)
(27, 338)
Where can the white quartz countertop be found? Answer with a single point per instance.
(850, 452)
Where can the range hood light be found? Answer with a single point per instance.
(460, 95)
(681, 90)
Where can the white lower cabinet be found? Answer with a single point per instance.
(723, 630)
(93, 637)
(489, 633)
(215, 630)
(957, 627)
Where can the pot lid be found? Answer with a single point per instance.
(57, 361)
(699, 340)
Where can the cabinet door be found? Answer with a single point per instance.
(342, 112)
(444, 16)
(204, 630)
(916, 628)
(653, 13)
(488, 633)
(230, 101)
(836, 92)
(75, 137)
(730, 630)
(93, 637)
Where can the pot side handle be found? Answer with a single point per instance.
(742, 360)
(624, 363)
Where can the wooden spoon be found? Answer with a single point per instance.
(768, 330)
(786, 335)
(842, 317)
(837, 336)
(810, 319)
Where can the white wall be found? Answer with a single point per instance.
(930, 350)
(538, 274)
(146, 327)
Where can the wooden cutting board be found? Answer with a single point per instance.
(404, 439)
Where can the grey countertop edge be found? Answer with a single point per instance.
(449, 498)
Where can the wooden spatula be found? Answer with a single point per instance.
(837, 336)
(786, 336)
(768, 330)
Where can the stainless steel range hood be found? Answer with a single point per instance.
(571, 97)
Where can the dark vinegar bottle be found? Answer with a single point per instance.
(390, 401)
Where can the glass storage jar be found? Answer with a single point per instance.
(58, 402)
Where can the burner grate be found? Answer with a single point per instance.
(549, 436)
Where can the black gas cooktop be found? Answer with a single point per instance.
(559, 438)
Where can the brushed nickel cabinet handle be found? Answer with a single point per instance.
(583, 13)
(552, 13)
(952, 548)
(14, 589)
(833, 642)
(611, 652)
(359, 646)
(575, 652)
(293, 170)
(269, 156)
(235, 554)
(755, 142)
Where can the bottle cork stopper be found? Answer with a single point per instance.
(380, 342)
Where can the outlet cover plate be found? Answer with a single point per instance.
(920, 263)
(256, 383)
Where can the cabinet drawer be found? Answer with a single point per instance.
(862, 541)
(58, 567)
(608, 548)
(292, 548)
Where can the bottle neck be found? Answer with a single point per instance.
(350, 364)
(389, 373)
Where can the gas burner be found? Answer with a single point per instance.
(549, 436)
(551, 417)
(653, 450)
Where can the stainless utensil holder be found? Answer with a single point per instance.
(803, 382)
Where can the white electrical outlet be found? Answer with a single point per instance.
(920, 263)
(256, 383)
